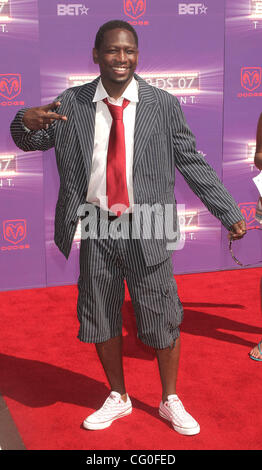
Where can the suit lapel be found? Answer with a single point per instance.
(146, 113)
(85, 113)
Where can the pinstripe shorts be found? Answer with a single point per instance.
(104, 266)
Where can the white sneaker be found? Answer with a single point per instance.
(113, 408)
(174, 411)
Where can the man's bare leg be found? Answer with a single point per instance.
(168, 360)
(173, 409)
(110, 355)
(111, 358)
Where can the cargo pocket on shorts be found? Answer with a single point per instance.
(174, 307)
(80, 285)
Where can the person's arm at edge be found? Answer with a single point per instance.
(202, 178)
(258, 154)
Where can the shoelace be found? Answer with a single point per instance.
(176, 406)
(108, 404)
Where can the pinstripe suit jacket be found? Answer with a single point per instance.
(163, 141)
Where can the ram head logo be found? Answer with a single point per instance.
(14, 230)
(10, 85)
(248, 210)
(134, 8)
(250, 77)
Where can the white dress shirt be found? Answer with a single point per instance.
(96, 193)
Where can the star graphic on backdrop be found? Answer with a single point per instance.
(203, 9)
(202, 153)
(84, 10)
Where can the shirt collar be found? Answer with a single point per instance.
(130, 93)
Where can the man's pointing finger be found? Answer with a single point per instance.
(50, 106)
(58, 117)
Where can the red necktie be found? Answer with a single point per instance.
(116, 160)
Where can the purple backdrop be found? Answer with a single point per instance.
(207, 54)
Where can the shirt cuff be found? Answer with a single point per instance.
(25, 128)
(20, 116)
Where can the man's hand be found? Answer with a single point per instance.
(40, 117)
(237, 230)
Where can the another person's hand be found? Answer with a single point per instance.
(237, 230)
(42, 116)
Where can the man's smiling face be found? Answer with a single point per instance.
(117, 56)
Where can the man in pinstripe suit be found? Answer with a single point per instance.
(157, 139)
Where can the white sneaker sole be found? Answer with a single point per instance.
(180, 429)
(105, 424)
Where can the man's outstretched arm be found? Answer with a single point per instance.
(203, 180)
(33, 128)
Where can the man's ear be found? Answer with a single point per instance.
(95, 55)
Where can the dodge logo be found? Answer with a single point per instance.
(134, 8)
(250, 77)
(14, 230)
(10, 85)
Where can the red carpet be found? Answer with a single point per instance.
(51, 381)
